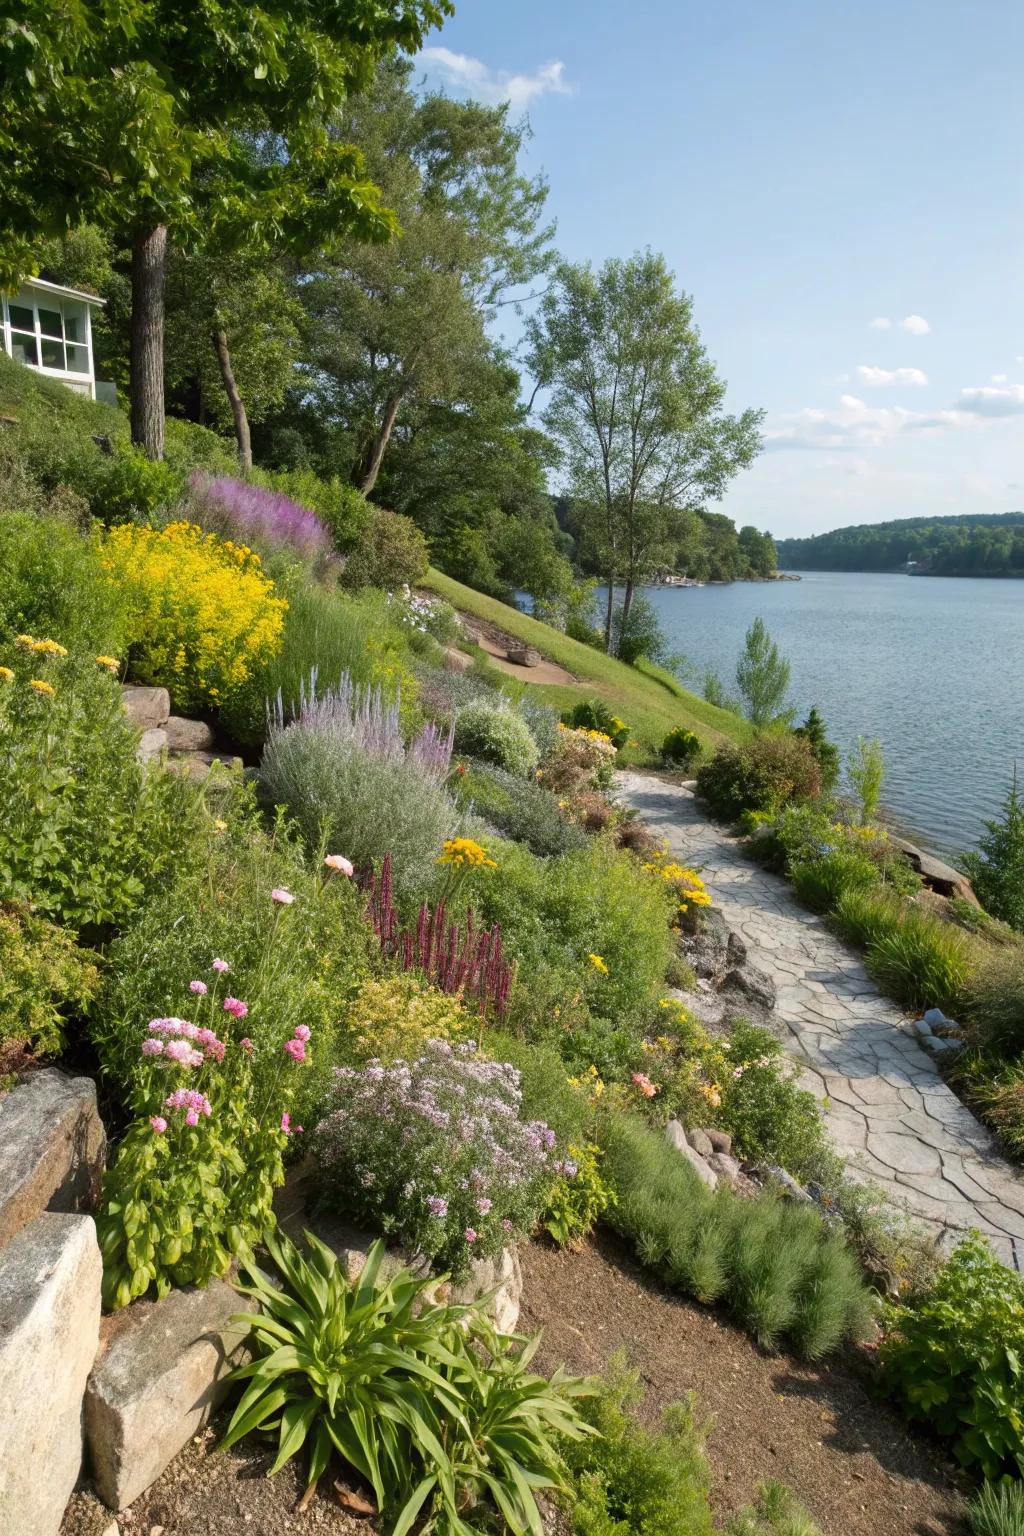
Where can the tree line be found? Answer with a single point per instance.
(300, 248)
(982, 544)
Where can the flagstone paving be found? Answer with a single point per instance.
(888, 1108)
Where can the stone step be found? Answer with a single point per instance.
(148, 708)
(49, 1325)
(54, 1149)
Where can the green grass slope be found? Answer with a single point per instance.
(650, 700)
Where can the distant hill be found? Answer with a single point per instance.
(982, 544)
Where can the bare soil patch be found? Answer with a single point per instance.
(496, 642)
(818, 1429)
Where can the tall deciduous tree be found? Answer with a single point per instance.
(129, 113)
(637, 405)
(395, 327)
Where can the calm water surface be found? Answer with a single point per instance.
(933, 666)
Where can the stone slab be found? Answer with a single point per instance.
(52, 1149)
(50, 1275)
(151, 744)
(161, 1373)
(676, 1137)
(185, 735)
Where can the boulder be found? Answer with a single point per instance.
(151, 744)
(701, 1142)
(789, 1186)
(754, 983)
(187, 735)
(146, 707)
(726, 1167)
(676, 1137)
(735, 950)
(49, 1324)
(503, 1276)
(161, 1372)
(197, 765)
(721, 1141)
(937, 875)
(524, 656)
(456, 660)
(54, 1149)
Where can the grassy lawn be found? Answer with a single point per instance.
(650, 700)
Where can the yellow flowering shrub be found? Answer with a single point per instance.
(580, 758)
(464, 853)
(394, 1018)
(686, 884)
(201, 613)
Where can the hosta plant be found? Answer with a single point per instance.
(425, 1401)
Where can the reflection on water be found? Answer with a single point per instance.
(933, 666)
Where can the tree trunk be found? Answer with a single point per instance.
(609, 609)
(242, 438)
(149, 273)
(627, 602)
(364, 476)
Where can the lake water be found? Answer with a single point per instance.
(932, 666)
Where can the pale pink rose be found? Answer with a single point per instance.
(338, 862)
(302, 1032)
(281, 896)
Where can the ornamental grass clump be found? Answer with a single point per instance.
(201, 615)
(776, 1267)
(269, 520)
(343, 771)
(433, 1152)
(193, 1181)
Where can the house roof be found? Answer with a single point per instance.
(69, 293)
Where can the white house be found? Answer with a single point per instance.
(50, 329)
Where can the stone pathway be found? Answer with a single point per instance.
(888, 1109)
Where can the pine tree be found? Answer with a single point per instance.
(814, 733)
(996, 870)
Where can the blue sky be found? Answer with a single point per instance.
(839, 187)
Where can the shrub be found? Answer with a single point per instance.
(269, 520)
(222, 908)
(201, 615)
(543, 723)
(594, 715)
(826, 752)
(996, 870)
(129, 487)
(580, 759)
(578, 1197)
(952, 1358)
(994, 1003)
(86, 831)
(395, 1016)
(922, 962)
(998, 1510)
(391, 553)
(433, 1152)
(426, 615)
(54, 584)
(428, 1403)
(770, 1117)
(193, 1181)
(344, 773)
(865, 771)
(45, 981)
(640, 635)
(820, 882)
(594, 901)
(631, 1479)
(681, 747)
(764, 774)
(326, 634)
(343, 509)
(777, 1268)
(522, 810)
(496, 734)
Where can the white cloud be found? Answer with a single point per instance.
(851, 403)
(496, 85)
(880, 323)
(999, 378)
(917, 325)
(877, 378)
(855, 426)
(994, 400)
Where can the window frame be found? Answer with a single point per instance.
(30, 298)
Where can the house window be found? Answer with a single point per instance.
(50, 332)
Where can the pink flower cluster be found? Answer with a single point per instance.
(644, 1085)
(194, 1104)
(296, 1047)
(236, 1008)
(179, 1049)
(287, 1127)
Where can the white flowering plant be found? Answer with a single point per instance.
(435, 1153)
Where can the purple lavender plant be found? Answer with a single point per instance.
(361, 716)
(267, 519)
